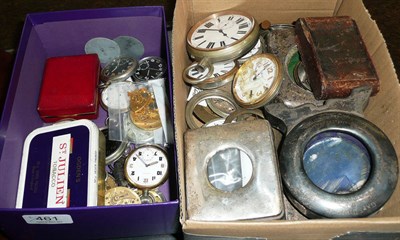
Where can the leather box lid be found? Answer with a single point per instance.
(335, 57)
(69, 87)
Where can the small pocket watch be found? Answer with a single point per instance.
(119, 69)
(146, 167)
(257, 81)
(151, 67)
(222, 36)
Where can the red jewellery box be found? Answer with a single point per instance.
(69, 88)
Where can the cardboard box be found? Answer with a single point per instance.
(382, 111)
(61, 34)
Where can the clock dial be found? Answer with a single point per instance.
(226, 35)
(220, 69)
(257, 81)
(115, 96)
(150, 68)
(147, 167)
(221, 31)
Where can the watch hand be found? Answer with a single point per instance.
(143, 161)
(152, 163)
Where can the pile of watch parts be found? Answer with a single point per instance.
(137, 130)
(333, 162)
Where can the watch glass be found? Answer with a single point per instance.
(229, 169)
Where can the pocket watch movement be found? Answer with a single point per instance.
(222, 36)
(257, 81)
(121, 196)
(147, 167)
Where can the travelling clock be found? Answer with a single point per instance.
(150, 68)
(147, 167)
(257, 81)
(222, 36)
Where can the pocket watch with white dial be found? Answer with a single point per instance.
(146, 167)
(119, 69)
(257, 81)
(115, 95)
(222, 36)
(151, 67)
(223, 73)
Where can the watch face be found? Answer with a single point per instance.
(115, 96)
(119, 69)
(221, 31)
(150, 68)
(257, 81)
(222, 36)
(146, 167)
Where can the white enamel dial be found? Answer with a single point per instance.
(257, 81)
(147, 167)
(221, 31)
(222, 36)
(115, 96)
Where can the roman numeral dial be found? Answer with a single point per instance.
(220, 31)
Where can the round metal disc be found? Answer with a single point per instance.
(106, 49)
(130, 46)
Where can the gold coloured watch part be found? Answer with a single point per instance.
(228, 52)
(139, 99)
(110, 182)
(121, 196)
(201, 96)
(154, 195)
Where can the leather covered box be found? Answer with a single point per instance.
(334, 56)
(69, 88)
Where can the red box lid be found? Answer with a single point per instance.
(69, 88)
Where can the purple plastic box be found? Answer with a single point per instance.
(60, 34)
